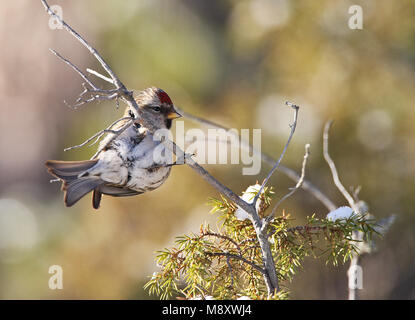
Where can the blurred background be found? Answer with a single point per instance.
(234, 62)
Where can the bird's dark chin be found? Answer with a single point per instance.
(168, 123)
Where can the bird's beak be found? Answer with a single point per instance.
(173, 115)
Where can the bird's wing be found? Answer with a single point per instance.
(117, 191)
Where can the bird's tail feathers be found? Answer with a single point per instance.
(69, 170)
(76, 189)
(76, 182)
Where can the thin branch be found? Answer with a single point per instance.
(95, 92)
(112, 138)
(99, 75)
(292, 126)
(356, 192)
(333, 169)
(94, 97)
(201, 120)
(290, 173)
(237, 257)
(356, 234)
(98, 135)
(308, 186)
(120, 91)
(77, 70)
(94, 52)
(293, 190)
(308, 228)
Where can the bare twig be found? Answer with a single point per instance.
(99, 75)
(95, 92)
(112, 138)
(294, 189)
(99, 134)
(83, 76)
(292, 126)
(355, 193)
(290, 173)
(94, 97)
(94, 52)
(355, 260)
(333, 169)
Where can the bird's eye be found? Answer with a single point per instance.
(157, 109)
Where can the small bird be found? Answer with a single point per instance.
(129, 165)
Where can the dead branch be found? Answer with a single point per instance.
(112, 138)
(94, 52)
(306, 185)
(97, 74)
(95, 93)
(100, 134)
(355, 260)
(77, 70)
(294, 189)
(333, 168)
(277, 163)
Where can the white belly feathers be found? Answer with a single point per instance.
(138, 166)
